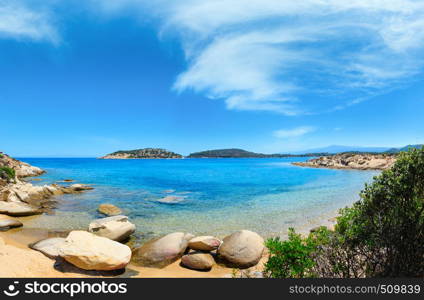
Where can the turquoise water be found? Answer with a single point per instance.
(202, 196)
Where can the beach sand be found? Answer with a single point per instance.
(17, 260)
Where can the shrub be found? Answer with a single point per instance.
(294, 258)
(386, 227)
(9, 172)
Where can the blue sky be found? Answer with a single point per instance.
(85, 78)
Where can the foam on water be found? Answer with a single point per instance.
(202, 196)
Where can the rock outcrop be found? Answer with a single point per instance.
(242, 249)
(21, 198)
(149, 153)
(351, 161)
(163, 251)
(91, 252)
(116, 228)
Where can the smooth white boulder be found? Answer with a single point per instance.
(49, 247)
(91, 252)
(198, 261)
(17, 209)
(116, 228)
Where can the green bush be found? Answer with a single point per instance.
(8, 172)
(386, 227)
(294, 258)
(381, 235)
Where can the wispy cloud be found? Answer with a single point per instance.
(284, 55)
(20, 21)
(294, 132)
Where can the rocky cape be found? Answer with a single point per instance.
(21, 198)
(146, 153)
(356, 161)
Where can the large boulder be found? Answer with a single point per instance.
(198, 261)
(109, 209)
(163, 251)
(49, 247)
(242, 249)
(18, 209)
(91, 252)
(204, 243)
(116, 228)
(6, 224)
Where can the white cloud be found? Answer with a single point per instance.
(294, 132)
(269, 54)
(22, 22)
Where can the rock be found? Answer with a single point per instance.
(6, 224)
(204, 243)
(116, 228)
(163, 251)
(109, 209)
(18, 209)
(198, 261)
(49, 247)
(80, 187)
(91, 252)
(171, 199)
(242, 249)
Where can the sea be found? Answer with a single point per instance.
(201, 196)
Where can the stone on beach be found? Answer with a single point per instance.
(242, 249)
(116, 228)
(204, 243)
(109, 209)
(198, 261)
(18, 209)
(8, 223)
(49, 247)
(91, 252)
(163, 251)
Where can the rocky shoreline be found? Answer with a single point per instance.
(352, 161)
(105, 245)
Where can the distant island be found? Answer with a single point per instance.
(158, 153)
(146, 153)
(240, 153)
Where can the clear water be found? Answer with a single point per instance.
(205, 196)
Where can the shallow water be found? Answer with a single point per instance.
(201, 196)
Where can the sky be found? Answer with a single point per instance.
(86, 78)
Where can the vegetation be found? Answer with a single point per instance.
(379, 236)
(240, 153)
(7, 172)
(144, 153)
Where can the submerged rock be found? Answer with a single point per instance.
(91, 252)
(49, 247)
(198, 261)
(116, 228)
(204, 243)
(163, 251)
(242, 249)
(109, 209)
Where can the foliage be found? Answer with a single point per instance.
(382, 235)
(294, 258)
(8, 172)
(386, 228)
